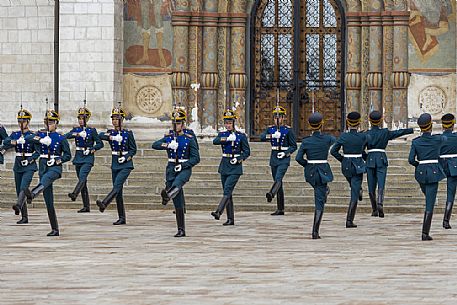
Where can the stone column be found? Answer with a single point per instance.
(400, 75)
(209, 78)
(353, 76)
(388, 33)
(374, 78)
(181, 79)
(222, 59)
(238, 79)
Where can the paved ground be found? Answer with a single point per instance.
(262, 260)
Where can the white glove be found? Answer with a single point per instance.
(281, 155)
(178, 168)
(231, 137)
(46, 141)
(86, 152)
(83, 134)
(118, 138)
(51, 162)
(276, 135)
(121, 160)
(24, 162)
(20, 141)
(173, 145)
(234, 161)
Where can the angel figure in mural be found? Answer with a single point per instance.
(150, 16)
(428, 20)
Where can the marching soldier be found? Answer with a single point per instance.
(123, 147)
(25, 162)
(235, 149)
(448, 160)
(317, 170)
(352, 163)
(189, 131)
(429, 172)
(54, 151)
(377, 159)
(3, 136)
(182, 150)
(87, 143)
(283, 144)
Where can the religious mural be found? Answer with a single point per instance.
(148, 35)
(432, 27)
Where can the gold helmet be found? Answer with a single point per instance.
(179, 115)
(229, 115)
(52, 115)
(24, 114)
(448, 120)
(279, 111)
(353, 119)
(118, 112)
(83, 111)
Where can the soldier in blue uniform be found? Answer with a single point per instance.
(377, 159)
(448, 160)
(123, 147)
(317, 170)
(182, 150)
(54, 151)
(352, 163)
(429, 172)
(186, 130)
(283, 144)
(87, 143)
(25, 162)
(3, 136)
(235, 149)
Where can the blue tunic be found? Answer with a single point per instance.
(91, 142)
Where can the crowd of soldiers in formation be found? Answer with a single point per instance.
(433, 156)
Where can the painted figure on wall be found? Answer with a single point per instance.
(152, 19)
(429, 19)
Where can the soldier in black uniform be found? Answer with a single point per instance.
(448, 160)
(283, 144)
(317, 170)
(429, 172)
(352, 163)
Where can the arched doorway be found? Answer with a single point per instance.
(298, 59)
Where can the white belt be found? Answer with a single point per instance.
(49, 157)
(376, 150)
(428, 161)
(179, 160)
(317, 161)
(448, 156)
(230, 155)
(118, 153)
(353, 156)
(25, 154)
(279, 147)
(81, 148)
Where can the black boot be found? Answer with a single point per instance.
(274, 190)
(32, 194)
(53, 221)
(351, 215)
(183, 203)
(381, 202)
(120, 211)
(230, 213)
(20, 202)
(79, 186)
(447, 215)
(374, 207)
(426, 226)
(180, 222)
(25, 215)
(360, 195)
(220, 208)
(279, 203)
(103, 204)
(167, 195)
(86, 200)
(317, 223)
